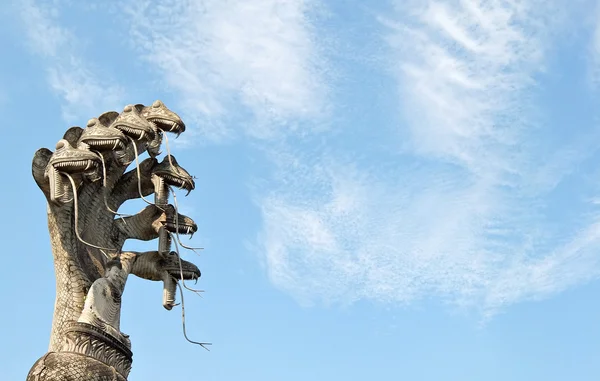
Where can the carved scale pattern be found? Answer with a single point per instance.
(83, 342)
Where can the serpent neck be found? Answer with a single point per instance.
(72, 283)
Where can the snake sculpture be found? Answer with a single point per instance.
(85, 181)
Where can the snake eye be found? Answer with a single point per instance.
(92, 122)
(157, 104)
(128, 108)
(61, 144)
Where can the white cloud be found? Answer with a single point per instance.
(85, 92)
(464, 69)
(473, 223)
(218, 54)
(335, 233)
(346, 235)
(44, 35)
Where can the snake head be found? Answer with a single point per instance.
(168, 268)
(178, 223)
(171, 173)
(175, 269)
(132, 124)
(102, 138)
(71, 161)
(163, 118)
(153, 265)
(180, 268)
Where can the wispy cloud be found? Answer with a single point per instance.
(463, 221)
(218, 55)
(81, 86)
(570, 264)
(465, 70)
(347, 233)
(339, 232)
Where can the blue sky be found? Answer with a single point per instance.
(386, 190)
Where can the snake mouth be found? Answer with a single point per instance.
(188, 273)
(105, 144)
(180, 268)
(176, 181)
(58, 188)
(175, 126)
(180, 227)
(135, 132)
(170, 173)
(75, 166)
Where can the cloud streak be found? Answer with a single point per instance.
(465, 69)
(83, 90)
(348, 233)
(219, 55)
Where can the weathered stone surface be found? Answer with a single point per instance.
(85, 182)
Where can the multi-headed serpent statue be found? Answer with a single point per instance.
(85, 182)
